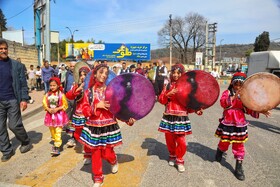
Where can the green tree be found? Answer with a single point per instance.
(262, 42)
(3, 23)
(248, 52)
(90, 40)
(62, 48)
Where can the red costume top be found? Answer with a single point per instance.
(97, 117)
(140, 71)
(173, 107)
(234, 111)
(72, 94)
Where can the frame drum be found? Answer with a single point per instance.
(131, 96)
(197, 90)
(261, 92)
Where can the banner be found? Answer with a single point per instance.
(79, 50)
(111, 51)
(198, 58)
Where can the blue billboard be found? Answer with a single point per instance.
(118, 51)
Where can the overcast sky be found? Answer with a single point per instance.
(134, 21)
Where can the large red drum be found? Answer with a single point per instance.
(197, 90)
(130, 96)
(261, 92)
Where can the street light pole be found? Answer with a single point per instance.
(221, 50)
(72, 39)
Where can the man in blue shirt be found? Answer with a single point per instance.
(13, 98)
(47, 73)
(69, 80)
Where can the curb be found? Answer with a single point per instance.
(223, 82)
(3, 184)
(32, 112)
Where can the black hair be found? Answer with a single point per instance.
(230, 87)
(3, 41)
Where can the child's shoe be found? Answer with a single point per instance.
(239, 172)
(71, 143)
(219, 155)
(55, 151)
(87, 161)
(181, 168)
(171, 162)
(97, 184)
(115, 168)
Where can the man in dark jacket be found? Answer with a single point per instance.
(13, 98)
(161, 75)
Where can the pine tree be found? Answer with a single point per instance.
(3, 23)
(262, 42)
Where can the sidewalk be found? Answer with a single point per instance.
(35, 107)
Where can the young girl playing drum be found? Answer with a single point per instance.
(233, 125)
(175, 122)
(101, 132)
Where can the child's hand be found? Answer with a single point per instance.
(266, 113)
(80, 88)
(131, 121)
(55, 110)
(50, 110)
(103, 104)
(199, 112)
(171, 92)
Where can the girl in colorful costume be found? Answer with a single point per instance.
(175, 122)
(101, 132)
(233, 125)
(78, 119)
(55, 103)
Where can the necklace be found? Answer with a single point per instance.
(100, 92)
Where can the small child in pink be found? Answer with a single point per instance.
(55, 103)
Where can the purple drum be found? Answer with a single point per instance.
(131, 96)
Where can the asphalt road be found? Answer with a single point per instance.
(143, 156)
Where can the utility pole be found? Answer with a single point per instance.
(221, 50)
(42, 29)
(206, 46)
(170, 47)
(214, 45)
(22, 36)
(211, 30)
(48, 33)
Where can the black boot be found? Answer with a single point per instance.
(219, 155)
(239, 172)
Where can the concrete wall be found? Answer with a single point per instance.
(28, 54)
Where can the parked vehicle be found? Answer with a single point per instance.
(265, 61)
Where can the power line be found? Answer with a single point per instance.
(20, 12)
(122, 23)
(118, 27)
